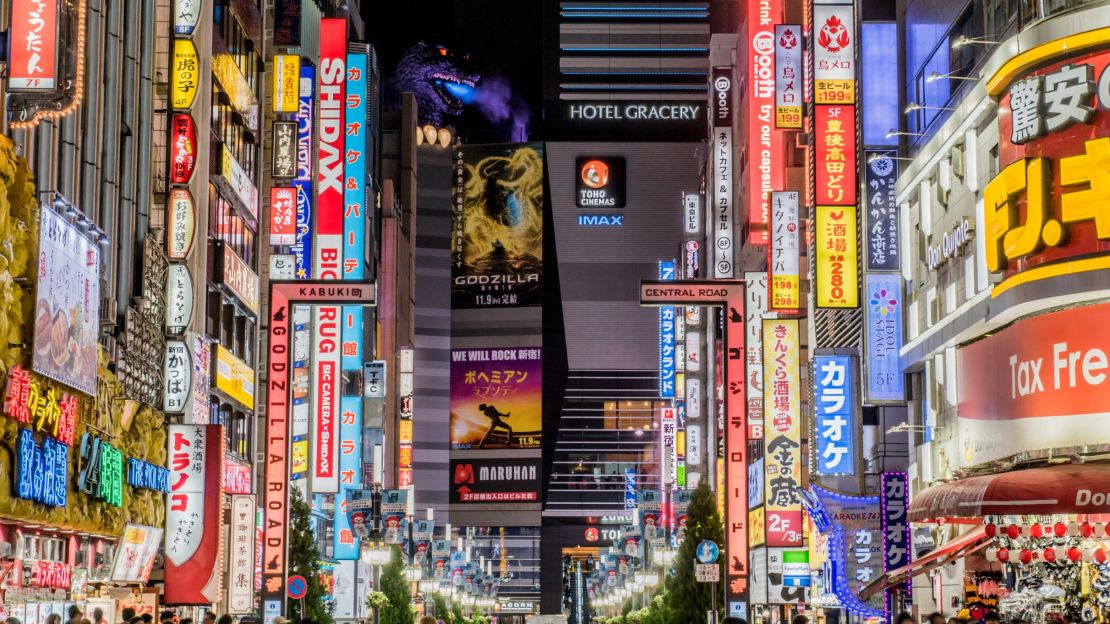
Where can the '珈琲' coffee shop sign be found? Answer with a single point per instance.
(1037, 386)
(1045, 214)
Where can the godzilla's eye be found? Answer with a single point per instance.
(443, 52)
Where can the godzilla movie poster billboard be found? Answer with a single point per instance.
(497, 236)
(496, 398)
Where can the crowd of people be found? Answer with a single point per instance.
(127, 616)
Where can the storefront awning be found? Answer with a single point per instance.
(1060, 489)
(962, 546)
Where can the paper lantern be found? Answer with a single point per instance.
(1026, 556)
(1049, 555)
(1073, 529)
(1036, 530)
(1003, 554)
(991, 529)
(1060, 529)
(1086, 530)
(1074, 555)
(1014, 531)
(1100, 555)
(991, 554)
(1060, 552)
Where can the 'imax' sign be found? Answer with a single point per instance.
(601, 220)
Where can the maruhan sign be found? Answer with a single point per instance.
(635, 112)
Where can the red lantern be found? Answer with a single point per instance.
(1014, 531)
(1026, 556)
(1036, 531)
(1004, 554)
(1085, 529)
(990, 530)
(1049, 555)
(1100, 555)
(1074, 554)
(1060, 529)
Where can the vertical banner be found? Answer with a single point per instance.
(668, 430)
(895, 500)
(883, 335)
(240, 558)
(837, 263)
(355, 167)
(835, 415)
(667, 337)
(834, 129)
(33, 46)
(756, 308)
(736, 454)
(785, 254)
(834, 52)
(788, 76)
(724, 217)
(350, 431)
(497, 236)
(765, 159)
(331, 94)
(325, 419)
(193, 514)
(880, 212)
(287, 83)
(782, 431)
(303, 182)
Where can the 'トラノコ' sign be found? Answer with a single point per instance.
(1046, 206)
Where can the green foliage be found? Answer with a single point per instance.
(397, 588)
(304, 559)
(688, 600)
(457, 616)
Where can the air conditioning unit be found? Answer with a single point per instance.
(5, 549)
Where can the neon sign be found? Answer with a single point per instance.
(101, 470)
(41, 470)
(26, 402)
(142, 474)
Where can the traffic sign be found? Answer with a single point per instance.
(708, 551)
(296, 587)
(707, 572)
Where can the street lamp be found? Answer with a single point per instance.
(963, 40)
(934, 76)
(893, 133)
(914, 106)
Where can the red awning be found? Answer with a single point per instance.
(1059, 489)
(957, 548)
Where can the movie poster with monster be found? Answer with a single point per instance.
(497, 236)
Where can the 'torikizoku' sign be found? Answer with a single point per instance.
(329, 179)
(1038, 385)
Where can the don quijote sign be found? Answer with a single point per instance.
(951, 242)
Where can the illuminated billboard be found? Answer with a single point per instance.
(496, 398)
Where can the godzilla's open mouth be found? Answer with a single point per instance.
(454, 90)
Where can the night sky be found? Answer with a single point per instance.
(502, 37)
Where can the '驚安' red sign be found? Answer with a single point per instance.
(835, 132)
(33, 46)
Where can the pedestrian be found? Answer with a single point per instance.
(98, 616)
(137, 620)
(12, 620)
(904, 618)
(75, 614)
(209, 617)
(799, 619)
(54, 618)
(126, 615)
(992, 617)
(937, 618)
(167, 617)
(226, 619)
(148, 618)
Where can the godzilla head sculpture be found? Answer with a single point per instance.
(431, 74)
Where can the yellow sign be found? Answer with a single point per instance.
(404, 431)
(782, 426)
(287, 83)
(299, 462)
(234, 378)
(834, 91)
(837, 257)
(237, 88)
(757, 525)
(185, 80)
(788, 116)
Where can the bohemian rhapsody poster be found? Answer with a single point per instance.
(496, 398)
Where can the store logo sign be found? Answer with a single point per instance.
(600, 182)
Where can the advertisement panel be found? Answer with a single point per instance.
(784, 252)
(782, 431)
(237, 276)
(283, 215)
(835, 138)
(325, 399)
(736, 450)
(496, 398)
(346, 546)
(837, 264)
(724, 217)
(138, 548)
(355, 209)
(600, 182)
(183, 148)
(181, 230)
(788, 76)
(754, 311)
(193, 514)
(834, 53)
(287, 23)
(186, 14)
(497, 238)
(240, 560)
(667, 337)
(287, 83)
(765, 158)
(1042, 213)
(234, 377)
(67, 304)
(880, 224)
(896, 530)
(787, 576)
(882, 326)
(285, 147)
(834, 391)
(1035, 386)
(501, 480)
(329, 178)
(185, 79)
(854, 524)
(302, 248)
